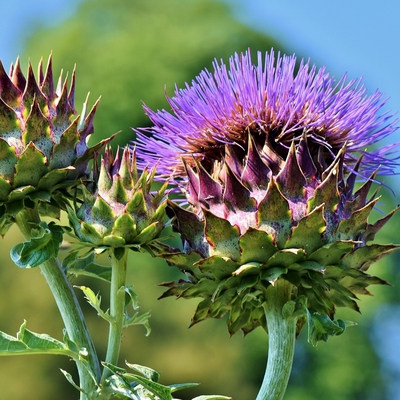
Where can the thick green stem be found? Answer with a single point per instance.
(68, 306)
(282, 335)
(117, 308)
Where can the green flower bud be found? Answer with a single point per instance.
(118, 208)
(43, 143)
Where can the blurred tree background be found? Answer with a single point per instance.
(129, 52)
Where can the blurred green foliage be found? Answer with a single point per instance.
(129, 51)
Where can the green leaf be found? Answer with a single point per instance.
(117, 386)
(320, 327)
(28, 342)
(147, 372)
(131, 297)
(163, 392)
(137, 319)
(179, 386)
(69, 378)
(95, 301)
(44, 244)
(85, 265)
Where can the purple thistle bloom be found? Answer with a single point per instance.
(268, 158)
(274, 104)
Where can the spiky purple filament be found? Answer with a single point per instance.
(276, 106)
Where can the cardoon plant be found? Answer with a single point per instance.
(275, 233)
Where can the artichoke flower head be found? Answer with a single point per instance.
(268, 159)
(43, 143)
(119, 208)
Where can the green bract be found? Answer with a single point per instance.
(255, 220)
(119, 209)
(43, 143)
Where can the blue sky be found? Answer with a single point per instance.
(358, 37)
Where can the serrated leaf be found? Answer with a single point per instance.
(44, 244)
(137, 319)
(147, 372)
(28, 342)
(131, 297)
(163, 392)
(74, 264)
(95, 301)
(320, 327)
(69, 378)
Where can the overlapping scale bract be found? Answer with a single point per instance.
(43, 142)
(119, 208)
(253, 221)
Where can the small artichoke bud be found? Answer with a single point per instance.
(269, 161)
(118, 207)
(43, 143)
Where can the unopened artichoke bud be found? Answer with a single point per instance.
(119, 208)
(43, 143)
(269, 160)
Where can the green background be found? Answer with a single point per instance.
(129, 52)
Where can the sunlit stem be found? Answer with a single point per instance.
(118, 258)
(282, 335)
(68, 306)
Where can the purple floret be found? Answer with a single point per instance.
(275, 105)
